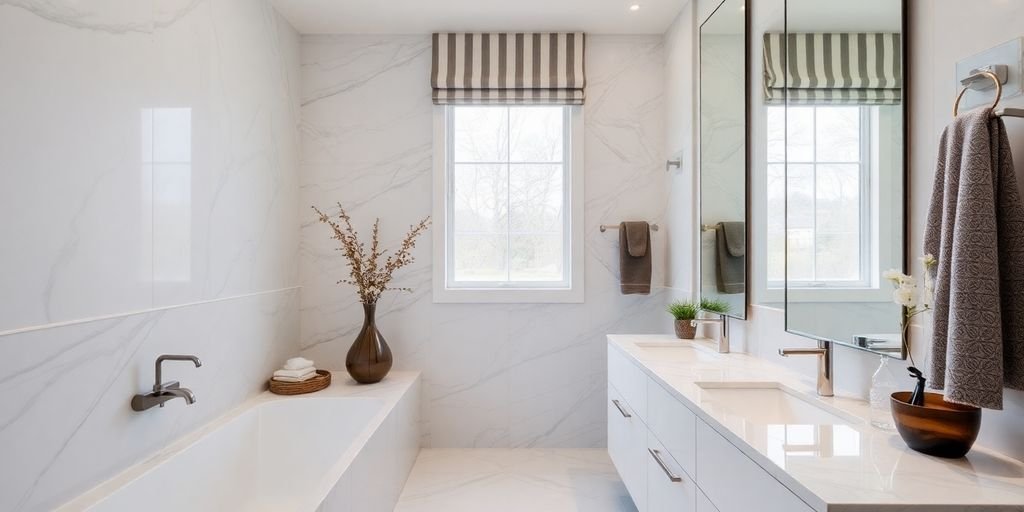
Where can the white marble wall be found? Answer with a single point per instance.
(148, 191)
(494, 375)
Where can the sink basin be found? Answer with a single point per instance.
(769, 403)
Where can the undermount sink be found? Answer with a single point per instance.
(769, 403)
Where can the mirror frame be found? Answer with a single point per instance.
(742, 315)
(904, 48)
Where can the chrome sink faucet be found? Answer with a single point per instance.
(164, 391)
(825, 366)
(723, 334)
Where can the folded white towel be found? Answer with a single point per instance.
(295, 379)
(298, 363)
(296, 374)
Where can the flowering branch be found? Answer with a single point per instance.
(366, 273)
(905, 293)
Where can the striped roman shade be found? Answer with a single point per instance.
(508, 68)
(839, 68)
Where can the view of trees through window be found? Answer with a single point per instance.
(828, 171)
(508, 179)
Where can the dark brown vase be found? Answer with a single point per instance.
(369, 359)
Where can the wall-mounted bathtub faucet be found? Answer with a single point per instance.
(164, 391)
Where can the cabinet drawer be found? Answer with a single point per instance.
(734, 483)
(629, 380)
(673, 424)
(669, 488)
(627, 447)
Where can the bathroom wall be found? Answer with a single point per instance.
(497, 375)
(148, 192)
(943, 31)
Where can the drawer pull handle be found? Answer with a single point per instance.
(621, 410)
(664, 467)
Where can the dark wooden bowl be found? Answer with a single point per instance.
(939, 428)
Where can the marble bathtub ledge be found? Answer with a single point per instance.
(390, 391)
(884, 476)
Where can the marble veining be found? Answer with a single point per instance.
(151, 206)
(552, 480)
(524, 375)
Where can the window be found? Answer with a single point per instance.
(829, 174)
(509, 201)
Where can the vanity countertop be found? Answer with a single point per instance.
(852, 466)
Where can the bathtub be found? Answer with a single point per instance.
(332, 451)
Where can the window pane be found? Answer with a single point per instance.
(480, 257)
(800, 255)
(535, 134)
(480, 198)
(800, 134)
(776, 129)
(481, 134)
(838, 130)
(838, 257)
(800, 196)
(776, 220)
(536, 258)
(838, 198)
(536, 198)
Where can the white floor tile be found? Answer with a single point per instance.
(500, 480)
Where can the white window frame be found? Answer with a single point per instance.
(568, 291)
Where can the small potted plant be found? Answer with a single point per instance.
(684, 311)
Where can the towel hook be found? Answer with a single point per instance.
(990, 75)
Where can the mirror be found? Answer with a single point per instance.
(723, 157)
(834, 85)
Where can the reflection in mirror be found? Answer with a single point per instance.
(723, 157)
(835, 157)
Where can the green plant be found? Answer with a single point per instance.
(683, 309)
(714, 305)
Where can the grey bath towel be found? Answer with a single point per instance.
(635, 258)
(731, 247)
(976, 230)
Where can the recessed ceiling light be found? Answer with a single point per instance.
(634, 7)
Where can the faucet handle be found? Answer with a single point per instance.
(157, 386)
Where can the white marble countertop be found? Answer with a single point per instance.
(858, 468)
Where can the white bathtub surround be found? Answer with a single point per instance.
(501, 480)
(524, 375)
(348, 447)
(149, 205)
(840, 464)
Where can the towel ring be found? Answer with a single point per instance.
(999, 91)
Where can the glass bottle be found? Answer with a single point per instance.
(883, 385)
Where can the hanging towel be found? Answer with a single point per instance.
(976, 231)
(635, 258)
(731, 247)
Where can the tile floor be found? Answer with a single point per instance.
(498, 480)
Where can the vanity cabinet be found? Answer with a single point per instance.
(672, 461)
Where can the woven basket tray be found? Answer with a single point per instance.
(321, 381)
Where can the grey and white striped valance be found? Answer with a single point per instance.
(508, 68)
(837, 68)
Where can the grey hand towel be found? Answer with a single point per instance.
(731, 248)
(976, 230)
(635, 258)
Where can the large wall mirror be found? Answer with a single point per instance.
(834, 88)
(723, 157)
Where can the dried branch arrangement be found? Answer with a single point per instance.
(366, 272)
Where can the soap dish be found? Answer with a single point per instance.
(321, 381)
